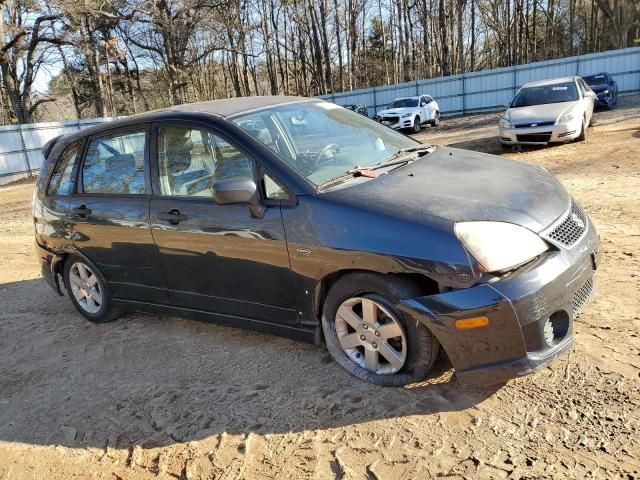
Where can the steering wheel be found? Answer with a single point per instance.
(325, 151)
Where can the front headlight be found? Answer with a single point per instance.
(499, 246)
(566, 118)
(504, 123)
(605, 92)
(407, 115)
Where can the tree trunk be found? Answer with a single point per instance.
(445, 62)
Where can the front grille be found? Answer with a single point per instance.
(534, 124)
(581, 297)
(571, 228)
(390, 119)
(542, 137)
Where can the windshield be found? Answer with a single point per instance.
(320, 140)
(558, 93)
(404, 103)
(595, 79)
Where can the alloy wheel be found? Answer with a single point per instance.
(85, 287)
(371, 335)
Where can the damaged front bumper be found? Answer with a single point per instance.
(530, 315)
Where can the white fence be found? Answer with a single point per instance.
(21, 145)
(489, 90)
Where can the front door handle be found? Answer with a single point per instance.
(173, 216)
(82, 211)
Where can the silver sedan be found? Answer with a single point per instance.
(548, 111)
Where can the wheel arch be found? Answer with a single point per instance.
(423, 283)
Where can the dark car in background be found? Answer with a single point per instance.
(361, 109)
(605, 88)
(299, 218)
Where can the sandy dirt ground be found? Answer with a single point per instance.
(158, 397)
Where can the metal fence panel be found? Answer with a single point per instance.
(9, 141)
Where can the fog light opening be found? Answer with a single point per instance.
(556, 328)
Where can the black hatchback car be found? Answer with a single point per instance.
(605, 87)
(300, 218)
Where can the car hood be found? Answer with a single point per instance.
(452, 185)
(397, 111)
(549, 112)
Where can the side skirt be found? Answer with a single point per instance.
(307, 334)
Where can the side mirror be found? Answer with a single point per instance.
(233, 190)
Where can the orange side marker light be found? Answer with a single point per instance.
(469, 323)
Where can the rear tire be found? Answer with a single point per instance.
(416, 125)
(88, 290)
(436, 121)
(413, 344)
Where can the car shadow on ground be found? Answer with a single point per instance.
(155, 381)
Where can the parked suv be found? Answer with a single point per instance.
(410, 113)
(300, 218)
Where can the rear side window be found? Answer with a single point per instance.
(115, 164)
(61, 182)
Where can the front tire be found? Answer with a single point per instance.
(88, 290)
(583, 133)
(370, 338)
(416, 125)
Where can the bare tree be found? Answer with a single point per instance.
(26, 38)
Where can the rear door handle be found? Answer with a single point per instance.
(173, 216)
(82, 211)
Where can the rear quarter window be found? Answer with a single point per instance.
(61, 182)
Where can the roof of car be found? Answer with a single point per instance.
(228, 107)
(222, 108)
(553, 81)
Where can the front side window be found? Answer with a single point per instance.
(115, 164)
(61, 182)
(320, 140)
(544, 94)
(190, 158)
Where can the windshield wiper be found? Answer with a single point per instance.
(394, 159)
(398, 158)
